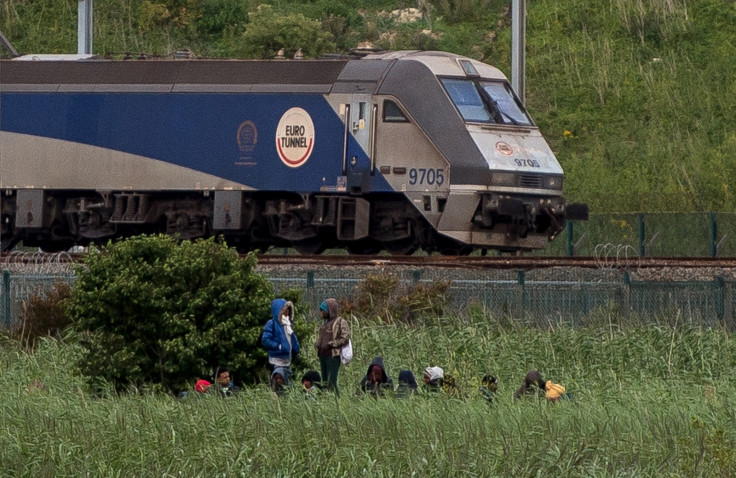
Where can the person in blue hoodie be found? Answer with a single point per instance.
(279, 338)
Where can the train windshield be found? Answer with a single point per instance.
(486, 102)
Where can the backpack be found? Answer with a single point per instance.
(554, 391)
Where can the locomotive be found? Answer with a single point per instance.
(393, 151)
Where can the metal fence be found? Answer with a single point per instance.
(534, 297)
(543, 296)
(697, 234)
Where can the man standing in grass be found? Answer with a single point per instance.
(334, 334)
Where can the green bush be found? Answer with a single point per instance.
(158, 311)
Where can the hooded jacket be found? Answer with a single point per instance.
(378, 387)
(280, 390)
(274, 338)
(407, 384)
(334, 332)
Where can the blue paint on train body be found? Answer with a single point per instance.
(197, 131)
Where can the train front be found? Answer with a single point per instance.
(504, 185)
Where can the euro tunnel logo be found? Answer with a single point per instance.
(295, 137)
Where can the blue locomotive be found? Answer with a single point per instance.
(392, 151)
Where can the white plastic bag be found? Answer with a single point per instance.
(346, 354)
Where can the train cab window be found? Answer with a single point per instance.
(467, 99)
(486, 102)
(361, 110)
(509, 108)
(392, 113)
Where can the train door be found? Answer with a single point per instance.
(358, 159)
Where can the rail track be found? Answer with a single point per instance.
(464, 262)
(501, 262)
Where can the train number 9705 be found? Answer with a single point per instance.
(428, 176)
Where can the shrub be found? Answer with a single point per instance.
(384, 298)
(157, 311)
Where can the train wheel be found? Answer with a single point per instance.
(309, 246)
(402, 247)
(363, 247)
(450, 247)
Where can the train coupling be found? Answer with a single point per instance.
(576, 212)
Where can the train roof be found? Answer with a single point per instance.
(313, 75)
(173, 72)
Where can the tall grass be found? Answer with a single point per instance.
(647, 401)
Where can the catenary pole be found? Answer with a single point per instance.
(518, 48)
(84, 27)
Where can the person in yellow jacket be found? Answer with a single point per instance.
(535, 384)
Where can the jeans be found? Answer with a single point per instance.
(330, 367)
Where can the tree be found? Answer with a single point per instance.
(268, 32)
(155, 310)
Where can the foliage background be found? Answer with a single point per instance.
(636, 97)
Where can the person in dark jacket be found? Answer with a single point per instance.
(407, 384)
(280, 381)
(534, 384)
(311, 384)
(278, 336)
(333, 335)
(223, 383)
(376, 380)
(488, 388)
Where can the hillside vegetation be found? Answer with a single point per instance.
(636, 97)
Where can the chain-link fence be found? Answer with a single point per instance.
(698, 234)
(543, 296)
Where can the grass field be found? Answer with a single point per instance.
(655, 401)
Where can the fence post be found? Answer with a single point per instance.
(721, 297)
(310, 287)
(570, 251)
(642, 245)
(6, 297)
(626, 296)
(727, 303)
(521, 296)
(713, 235)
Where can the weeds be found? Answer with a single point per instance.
(42, 315)
(383, 298)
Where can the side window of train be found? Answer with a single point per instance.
(392, 113)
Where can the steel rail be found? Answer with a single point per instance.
(470, 262)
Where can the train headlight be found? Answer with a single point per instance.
(554, 182)
(503, 179)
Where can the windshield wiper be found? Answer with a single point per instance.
(497, 113)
